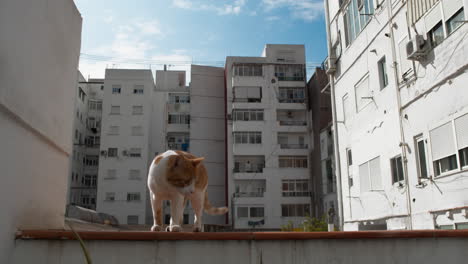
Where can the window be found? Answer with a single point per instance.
(113, 130)
(356, 18)
(436, 35)
(248, 94)
(349, 159)
(134, 175)
(249, 164)
(135, 152)
(257, 212)
(295, 188)
(455, 21)
(242, 212)
(247, 137)
(91, 160)
(461, 128)
(247, 115)
(116, 89)
(461, 226)
(178, 141)
(137, 110)
(443, 149)
(369, 174)
(396, 166)
(363, 94)
(137, 131)
(93, 180)
(291, 95)
(110, 196)
(347, 108)
(290, 72)
(248, 70)
(87, 180)
(179, 119)
(115, 110)
(383, 73)
(138, 89)
(112, 152)
(133, 196)
(111, 174)
(292, 161)
(421, 160)
(81, 94)
(132, 220)
(295, 210)
(175, 98)
(349, 156)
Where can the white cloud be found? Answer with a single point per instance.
(307, 10)
(272, 18)
(232, 8)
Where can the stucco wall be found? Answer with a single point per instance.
(38, 76)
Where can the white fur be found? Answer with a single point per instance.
(161, 190)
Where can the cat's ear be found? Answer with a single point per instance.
(197, 161)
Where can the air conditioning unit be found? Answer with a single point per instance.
(125, 152)
(103, 152)
(417, 48)
(330, 65)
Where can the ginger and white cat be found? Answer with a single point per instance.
(179, 176)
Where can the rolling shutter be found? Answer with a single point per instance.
(461, 127)
(442, 141)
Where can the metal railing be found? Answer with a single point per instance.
(255, 168)
(248, 194)
(292, 122)
(293, 146)
(291, 100)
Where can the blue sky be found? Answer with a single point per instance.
(149, 33)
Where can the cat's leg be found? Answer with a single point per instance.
(177, 211)
(198, 199)
(156, 206)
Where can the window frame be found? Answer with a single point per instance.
(417, 140)
(383, 74)
(394, 169)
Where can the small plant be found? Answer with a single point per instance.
(312, 224)
(289, 227)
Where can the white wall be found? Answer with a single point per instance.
(375, 130)
(207, 134)
(38, 79)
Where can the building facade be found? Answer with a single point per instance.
(267, 138)
(399, 68)
(84, 161)
(125, 145)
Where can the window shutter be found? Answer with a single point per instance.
(254, 92)
(433, 17)
(362, 90)
(451, 7)
(442, 141)
(241, 92)
(461, 127)
(364, 177)
(417, 8)
(376, 179)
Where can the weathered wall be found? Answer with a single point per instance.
(362, 251)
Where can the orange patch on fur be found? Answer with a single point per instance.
(184, 167)
(158, 159)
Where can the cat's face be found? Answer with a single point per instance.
(181, 173)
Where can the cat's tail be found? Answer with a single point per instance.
(209, 209)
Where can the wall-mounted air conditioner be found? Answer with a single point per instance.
(330, 65)
(417, 48)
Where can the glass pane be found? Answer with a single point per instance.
(400, 169)
(455, 21)
(422, 159)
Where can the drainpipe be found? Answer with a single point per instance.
(403, 143)
(331, 79)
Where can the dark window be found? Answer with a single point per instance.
(397, 169)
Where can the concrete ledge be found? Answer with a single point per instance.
(149, 236)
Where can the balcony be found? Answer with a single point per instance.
(249, 194)
(292, 122)
(293, 146)
(178, 146)
(291, 100)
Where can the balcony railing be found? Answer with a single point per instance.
(292, 123)
(293, 146)
(291, 100)
(255, 168)
(248, 194)
(178, 146)
(296, 194)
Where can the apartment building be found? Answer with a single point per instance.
(323, 178)
(398, 70)
(84, 161)
(267, 138)
(125, 145)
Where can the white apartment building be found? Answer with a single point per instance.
(40, 49)
(86, 136)
(267, 138)
(399, 73)
(125, 145)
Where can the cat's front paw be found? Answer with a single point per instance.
(156, 228)
(175, 228)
